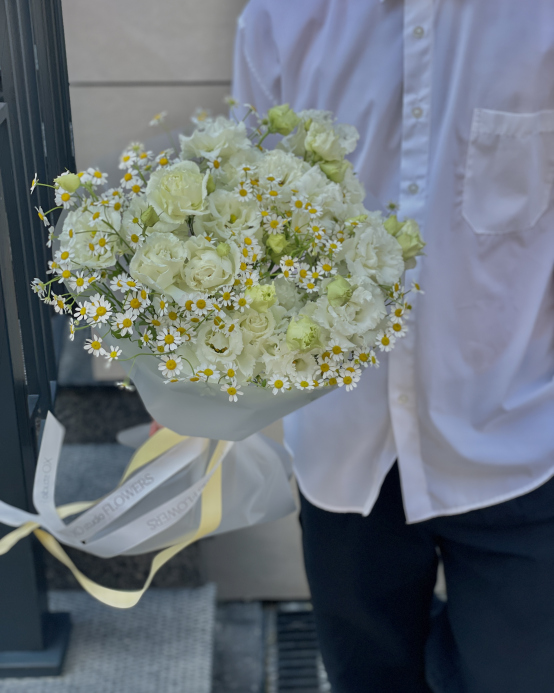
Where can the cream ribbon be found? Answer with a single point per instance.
(150, 455)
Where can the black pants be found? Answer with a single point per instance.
(372, 582)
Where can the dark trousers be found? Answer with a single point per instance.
(372, 581)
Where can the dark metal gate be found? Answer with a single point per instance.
(35, 137)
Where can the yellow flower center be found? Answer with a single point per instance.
(201, 303)
(164, 161)
(95, 345)
(66, 197)
(64, 255)
(127, 322)
(298, 204)
(232, 390)
(128, 176)
(96, 215)
(336, 350)
(169, 339)
(171, 364)
(208, 372)
(325, 367)
(136, 188)
(161, 348)
(347, 380)
(230, 373)
(134, 238)
(97, 174)
(101, 310)
(397, 327)
(172, 315)
(134, 303)
(102, 242)
(80, 281)
(117, 206)
(243, 192)
(363, 357)
(278, 384)
(385, 341)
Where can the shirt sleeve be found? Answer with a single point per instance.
(256, 70)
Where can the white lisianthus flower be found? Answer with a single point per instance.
(89, 248)
(287, 295)
(325, 139)
(361, 313)
(257, 327)
(283, 166)
(215, 134)
(208, 266)
(177, 192)
(374, 253)
(228, 216)
(159, 261)
(214, 346)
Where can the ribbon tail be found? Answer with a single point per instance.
(11, 539)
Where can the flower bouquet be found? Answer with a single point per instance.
(237, 283)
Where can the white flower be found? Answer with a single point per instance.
(214, 346)
(177, 192)
(94, 346)
(78, 282)
(96, 177)
(349, 377)
(170, 365)
(217, 134)
(241, 302)
(374, 253)
(279, 383)
(89, 249)
(113, 353)
(42, 216)
(127, 159)
(207, 371)
(416, 288)
(158, 118)
(81, 311)
(398, 328)
(384, 340)
(228, 216)
(34, 183)
(63, 198)
(243, 191)
(304, 384)
(60, 306)
(209, 267)
(273, 223)
(232, 390)
(137, 301)
(124, 322)
(158, 262)
(38, 287)
(125, 385)
(360, 314)
(169, 338)
(99, 310)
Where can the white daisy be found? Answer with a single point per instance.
(124, 322)
(207, 372)
(78, 282)
(96, 177)
(42, 216)
(233, 390)
(99, 310)
(34, 183)
(169, 338)
(38, 287)
(158, 119)
(243, 191)
(113, 353)
(170, 365)
(273, 223)
(63, 198)
(94, 346)
(279, 383)
(384, 340)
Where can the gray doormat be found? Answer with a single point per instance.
(164, 644)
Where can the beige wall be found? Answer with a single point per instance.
(129, 59)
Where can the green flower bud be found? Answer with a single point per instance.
(307, 124)
(339, 291)
(335, 170)
(223, 249)
(210, 185)
(282, 119)
(149, 217)
(277, 242)
(410, 240)
(303, 334)
(70, 182)
(392, 225)
(263, 296)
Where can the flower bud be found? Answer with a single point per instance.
(335, 170)
(263, 296)
(210, 184)
(410, 240)
(392, 225)
(339, 291)
(277, 242)
(149, 217)
(70, 182)
(223, 249)
(303, 334)
(282, 119)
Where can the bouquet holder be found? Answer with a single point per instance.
(175, 490)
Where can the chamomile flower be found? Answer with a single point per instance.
(337, 351)
(117, 283)
(227, 298)
(303, 273)
(273, 223)
(164, 157)
(63, 198)
(304, 384)
(60, 306)
(241, 302)
(124, 322)
(71, 329)
(130, 180)
(398, 328)
(127, 159)
(384, 340)
(169, 338)
(137, 301)
(213, 160)
(64, 274)
(348, 379)
(172, 315)
(113, 353)
(288, 263)
(146, 337)
(243, 191)
(125, 385)
(297, 202)
(200, 305)
(201, 115)
(327, 370)
(362, 355)
(94, 346)
(416, 288)
(42, 216)
(160, 305)
(34, 183)
(233, 390)
(99, 310)
(208, 372)
(38, 287)
(326, 267)
(279, 383)
(80, 311)
(231, 371)
(158, 119)
(51, 237)
(170, 365)
(96, 177)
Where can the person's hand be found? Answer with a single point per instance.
(154, 426)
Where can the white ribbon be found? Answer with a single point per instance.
(81, 532)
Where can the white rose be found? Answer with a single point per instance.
(206, 268)
(82, 238)
(257, 327)
(374, 253)
(363, 312)
(158, 262)
(176, 192)
(215, 134)
(228, 216)
(330, 142)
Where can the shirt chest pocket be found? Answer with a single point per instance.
(509, 170)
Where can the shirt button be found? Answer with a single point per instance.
(402, 399)
(417, 112)
(413, 188)
(419, 31)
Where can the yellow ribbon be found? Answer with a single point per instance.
(210, 519)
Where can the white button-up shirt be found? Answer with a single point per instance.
(454, 102)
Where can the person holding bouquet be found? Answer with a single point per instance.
(448, 447)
